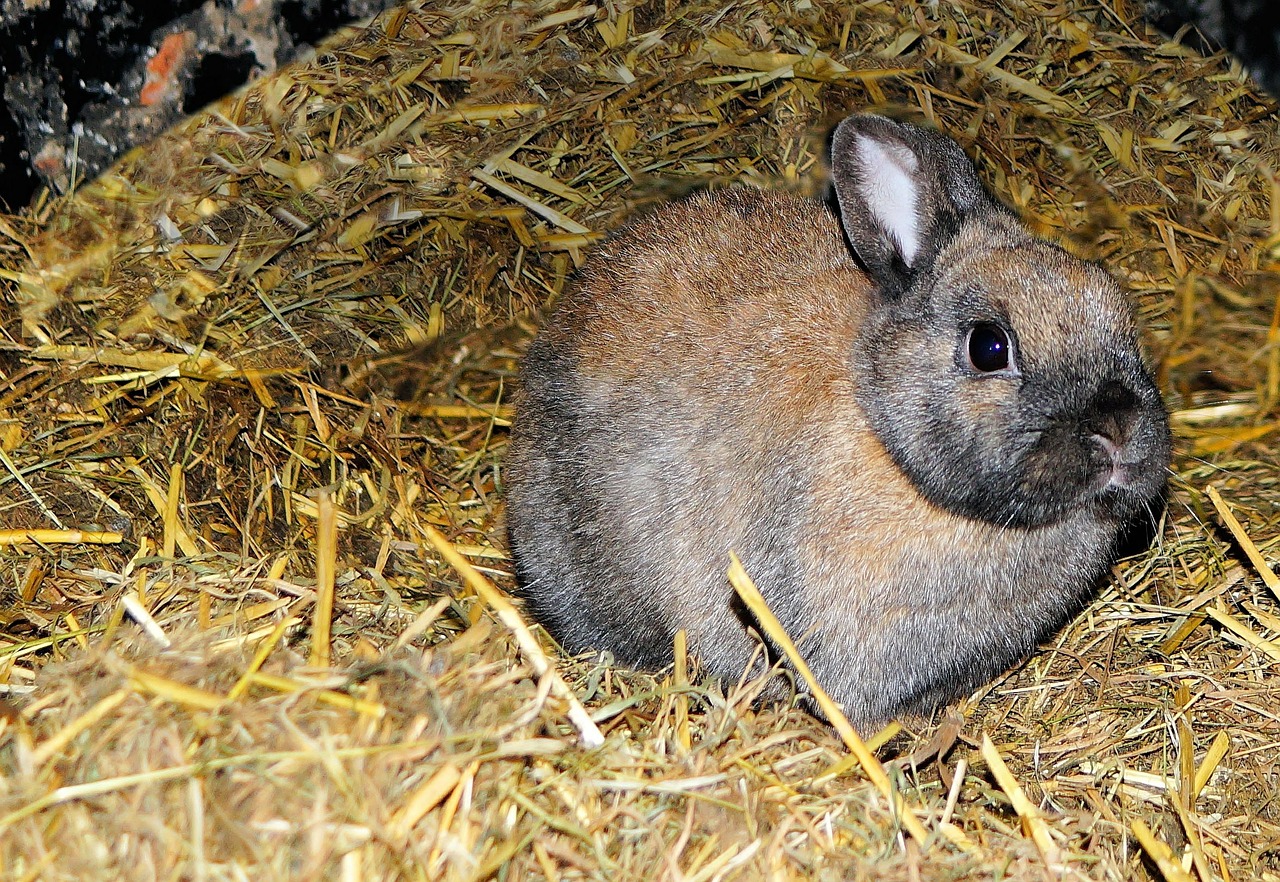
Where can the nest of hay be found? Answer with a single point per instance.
(252, 413)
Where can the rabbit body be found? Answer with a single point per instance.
(744, 371)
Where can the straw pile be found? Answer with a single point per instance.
(249, 629)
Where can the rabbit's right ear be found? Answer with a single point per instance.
(903, 192)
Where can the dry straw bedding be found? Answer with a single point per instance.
(231, 646)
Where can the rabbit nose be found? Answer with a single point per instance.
(1111, 417)
(1113, 402)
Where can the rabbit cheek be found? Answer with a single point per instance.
(1045, 484)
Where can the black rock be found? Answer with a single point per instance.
(85, 80)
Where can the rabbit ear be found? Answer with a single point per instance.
(903, 192)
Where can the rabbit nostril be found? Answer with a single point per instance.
(1109, 447)
(1116, 472)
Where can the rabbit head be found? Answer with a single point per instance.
(1003, 375)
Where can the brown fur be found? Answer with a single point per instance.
(707, 386)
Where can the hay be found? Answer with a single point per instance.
(199, 436)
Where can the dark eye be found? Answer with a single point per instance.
(988, 347)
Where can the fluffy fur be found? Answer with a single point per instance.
(752, 371)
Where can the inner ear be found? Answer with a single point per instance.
(889, 190)
(903, 191)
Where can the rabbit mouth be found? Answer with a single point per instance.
(1067, 476)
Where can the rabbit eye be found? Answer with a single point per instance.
(988, 347)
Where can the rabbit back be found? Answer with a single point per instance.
(652, 397)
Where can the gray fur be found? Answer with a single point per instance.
(746, 371)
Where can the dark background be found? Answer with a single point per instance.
(73, 71)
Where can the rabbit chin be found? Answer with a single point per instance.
(1111, 493)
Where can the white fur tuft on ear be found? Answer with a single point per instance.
(888, 185)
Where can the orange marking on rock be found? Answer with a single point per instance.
(162, 67)
(48, 161)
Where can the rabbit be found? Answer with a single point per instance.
(922, 429)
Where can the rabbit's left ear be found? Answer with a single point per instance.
(903, 192)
